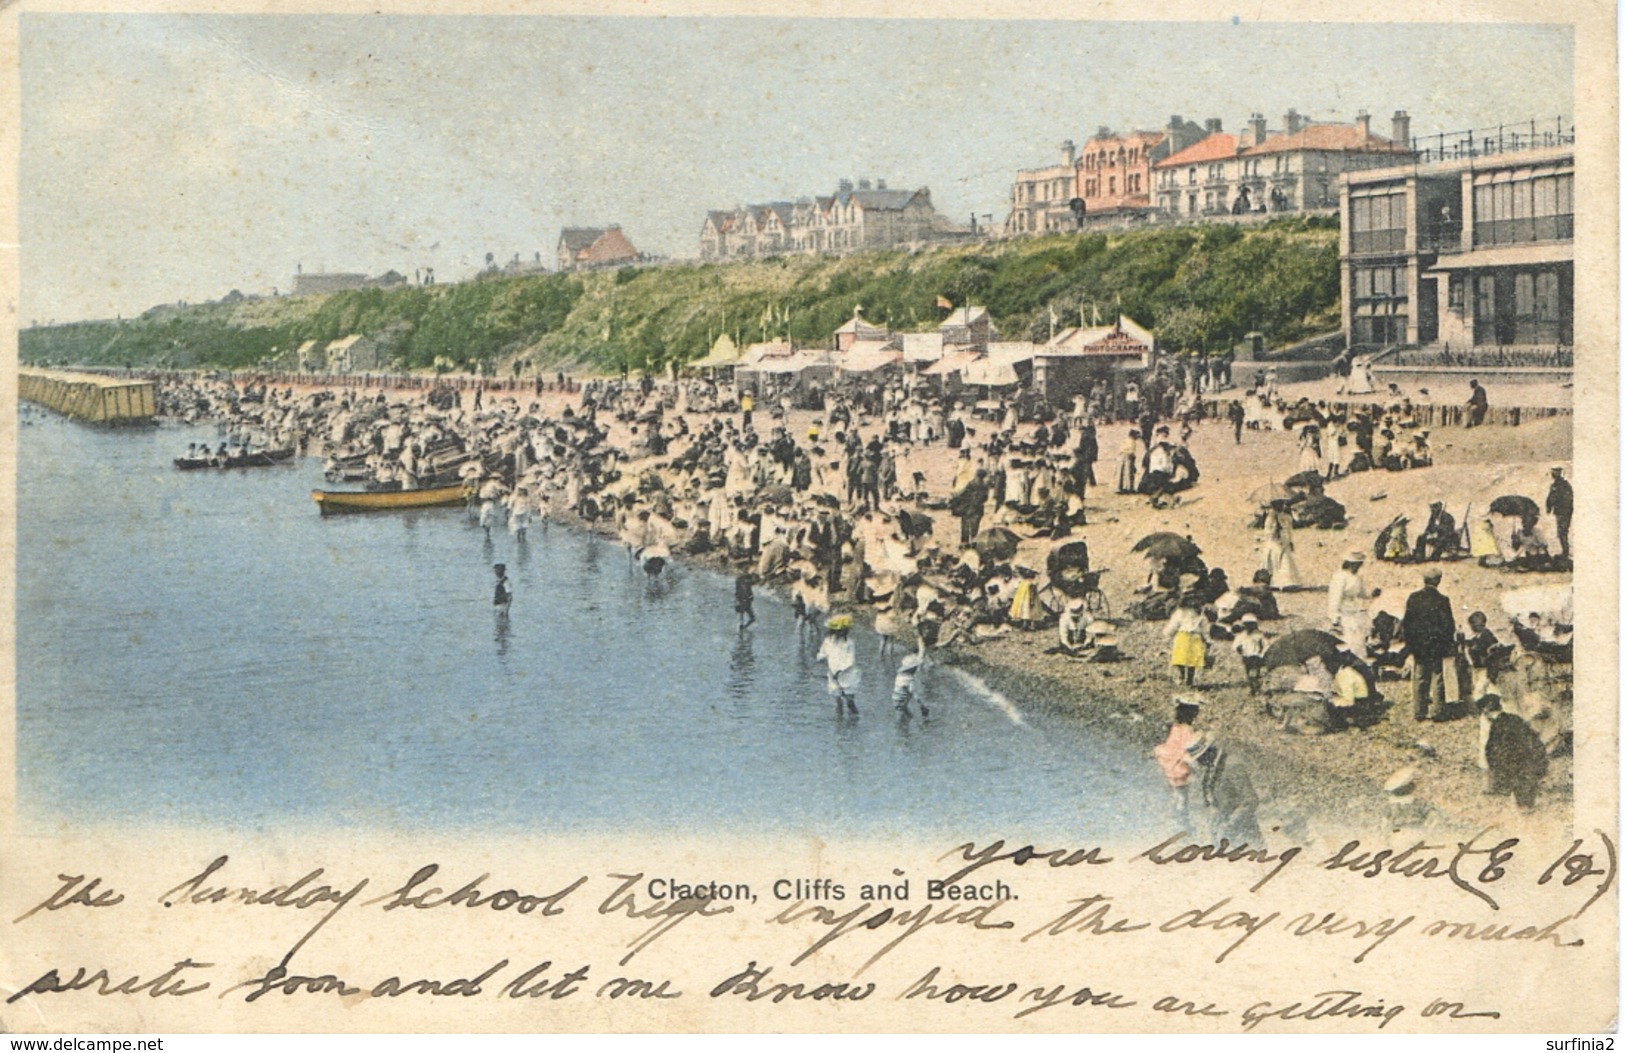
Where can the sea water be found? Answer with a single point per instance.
(204, 648)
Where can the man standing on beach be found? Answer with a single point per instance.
(967, 504)
(1560, 505)
(1478, 404)
(1429, 626)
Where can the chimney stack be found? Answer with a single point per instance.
(844, 186)
(1362, 122)
(1069, 153)
(1103, 132)
(863, 184)
(1402, 128)
(880, 184)
(1294, 122)
(1214, 126)
(1258, 126)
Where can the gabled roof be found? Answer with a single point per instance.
(1126, 339)
(864, 328)
(878, 200)
(574, 239)
(1217, 147)
(866, 356)
(723, 353)
(963, 316)
(1328, 137)
(609, 247)
(950, 363)
(756, 354)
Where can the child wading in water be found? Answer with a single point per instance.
(1171, 758)
(838, 653)
(903, 690)
(504, 592)
(745, 600)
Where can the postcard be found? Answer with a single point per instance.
(696, 517)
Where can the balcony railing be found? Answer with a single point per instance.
(1519, 231)
(1364, 241)
(1439, 237)
(1488, 142)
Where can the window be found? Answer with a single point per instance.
(1535, 209)
(1547, 297)
(1377, 224)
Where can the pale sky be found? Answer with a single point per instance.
(169, 157)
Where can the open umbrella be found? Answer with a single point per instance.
(1295, 648)
(1309, 480)
(1268, 494)
(996, 543)
(1166, 545)
(777, 494)
(1515, 505)
(914, 524)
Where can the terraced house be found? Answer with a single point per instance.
(1291, 169)
(852, 219)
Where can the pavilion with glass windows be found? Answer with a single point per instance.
(1468, 260)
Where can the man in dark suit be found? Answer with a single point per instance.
(1560, 504)
(1429, 626)
(1438, 536)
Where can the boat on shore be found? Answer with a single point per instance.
(333, 502)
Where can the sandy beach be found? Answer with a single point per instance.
(1307, 783)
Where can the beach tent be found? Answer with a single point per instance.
(990, 373)
(868, 356)
(724, 354)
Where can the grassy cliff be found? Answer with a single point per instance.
(1198, 287)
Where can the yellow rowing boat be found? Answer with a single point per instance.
(335, 501)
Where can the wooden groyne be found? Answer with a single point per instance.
(89, 397)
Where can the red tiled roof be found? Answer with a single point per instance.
(1138, 137)
(1216, 147)
(1327, 137)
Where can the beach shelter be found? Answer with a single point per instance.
(869, 356)
(724, 354)
(989, 373)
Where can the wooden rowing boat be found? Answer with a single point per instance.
(335, 501)
(260, 459)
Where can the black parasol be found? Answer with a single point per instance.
(1166, 545)
(1295, 648)
(996, 543)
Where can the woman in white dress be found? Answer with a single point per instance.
(1279, 559)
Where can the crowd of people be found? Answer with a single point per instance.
(826, 513)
